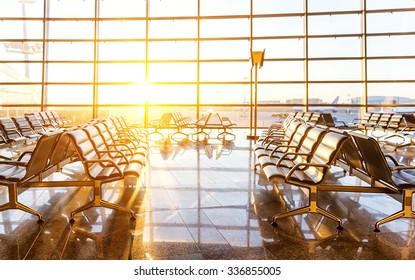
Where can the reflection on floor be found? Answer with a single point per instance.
(199, 201)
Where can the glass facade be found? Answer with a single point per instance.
(91, 58)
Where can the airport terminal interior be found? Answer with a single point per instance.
(207, 130)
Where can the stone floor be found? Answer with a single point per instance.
(203, 201)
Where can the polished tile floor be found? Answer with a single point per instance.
(204, 201)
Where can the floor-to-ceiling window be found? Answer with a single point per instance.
(139, 58)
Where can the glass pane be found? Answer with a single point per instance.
(391, 45)
(172, 8)
(279, 26)
(21, 51)
(17, 111)
(335, 24)
(21, 9)
(122, 50)
(391, 69)
(121, 72)
(70, 72)
(396, 93)
(70, 51)
(172, 94)
(224, 94)
(330, 5)
(20, 94)
(282, 71)
(281, 48)
(70, 29)
(230, 49)
(172, 72)
(280, 93)
(335, 47)
(278, 7)
(335, 70)
(123, 29)
(78, 115)
(172, 29)
(133, 114)
(335, 93)
(23, 72)
(176, 50)
(224, 7)
(345, 114)
(121, 94)
(224, 28)
(391, 22)
(224, 71)
(21, 29)
(71, 8)
(388, 4)
(69, 94)
(122, 8)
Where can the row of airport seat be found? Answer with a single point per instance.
(198, 130)
(110, 150)
(303, 155)
(28, 128)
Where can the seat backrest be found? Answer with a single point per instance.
(384, 120)
(9, 128)
(314, 118)
(307, 116)
(83, 144)
(394, 122)
(299, 135)
(365, 118)
(350, 155)
(326, 119)
(63, 149)
(23, 125)
(374, 119)
(95, 137)
(325, 155)
(409, 120)
(54, 120)
(311, 140)
(376, 164)
(45, 118)
(40, 157)
(35, 123)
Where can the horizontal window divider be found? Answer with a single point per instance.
(19, 105)
(285, 59)
(225, 60)
(317, 36)
(336, 82)
(21, 18)
(388, 105)
(185, 39)
(21, 40)
(21, 61)
(391, 81)
(391, 57)
(382, 34)
(377, 11)
(20, 83)
(201, 39)
(69, 105)
(335, 58)
(121, 61)
(223, 38)
(281, 37)
(69, 61)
